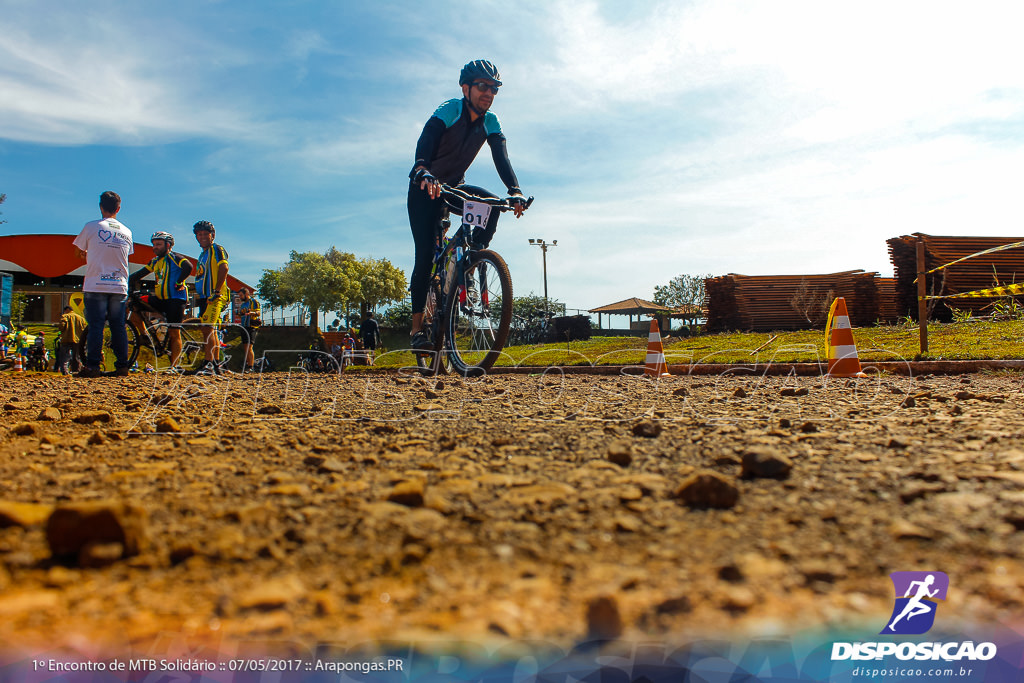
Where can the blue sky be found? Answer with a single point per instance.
(659, 138)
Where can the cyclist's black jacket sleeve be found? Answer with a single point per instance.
(450, 142)
(135, 278)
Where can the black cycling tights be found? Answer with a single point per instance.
(424, 217)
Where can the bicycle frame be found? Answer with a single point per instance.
(453, 260)
(142, 311)
(454, 251)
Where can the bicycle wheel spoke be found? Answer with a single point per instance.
(480, 314)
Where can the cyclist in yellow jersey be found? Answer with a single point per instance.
(211, 291)
(250, 318)
(169, 296)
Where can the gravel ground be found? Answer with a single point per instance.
(386, 507)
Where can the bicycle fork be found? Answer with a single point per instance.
(469, 294)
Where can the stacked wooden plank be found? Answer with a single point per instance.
(888, 307)
(1001, 268)
(788, 302)
(720, 303)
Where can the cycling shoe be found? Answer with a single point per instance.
(421, 341)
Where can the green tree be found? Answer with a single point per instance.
(532, 305)
(315, 281)
(398, 317)
(528, 308)
(269, 288)
(683, 291)
(380, 283)
(3, 198)
(332, 281)
(19, 302)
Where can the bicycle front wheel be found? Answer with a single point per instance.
(479, 314)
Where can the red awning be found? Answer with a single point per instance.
(54, 255)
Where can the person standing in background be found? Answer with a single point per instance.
(250, 318)
(369, 332)
(105, 245)
(211, 291)
(71, 327)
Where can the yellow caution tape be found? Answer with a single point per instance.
(1005, 290)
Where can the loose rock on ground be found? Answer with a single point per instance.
(349, 510)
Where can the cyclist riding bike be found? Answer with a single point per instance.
(449, 143)
(169, 296)
(211, 290)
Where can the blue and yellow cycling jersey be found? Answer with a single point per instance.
(244, 308)
(206, 271)
(168, 270)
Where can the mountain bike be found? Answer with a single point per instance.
(469, 297)
(37, 358)
(153, 336)
(532, 328)
(317, 361)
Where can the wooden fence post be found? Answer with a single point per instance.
(922, 291)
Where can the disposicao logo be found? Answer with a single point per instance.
(916, 595)
(913, 613)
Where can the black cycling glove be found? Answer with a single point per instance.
(425, 175)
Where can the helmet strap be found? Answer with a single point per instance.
(478, 112)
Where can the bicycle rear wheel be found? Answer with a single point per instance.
(479, 314)
(433, 362)
(108, 360)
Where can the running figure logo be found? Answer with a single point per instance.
(916, 595)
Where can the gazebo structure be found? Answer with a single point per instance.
(641, 307)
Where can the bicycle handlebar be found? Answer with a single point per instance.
(500, 204)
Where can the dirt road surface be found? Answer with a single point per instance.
(297, 511)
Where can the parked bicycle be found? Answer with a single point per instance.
(153, 335)
(469, 297)
(317, 361)
(38, 357)
(533, 328)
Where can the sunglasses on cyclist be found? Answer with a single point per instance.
(484, 87)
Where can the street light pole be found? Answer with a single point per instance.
(544, 252)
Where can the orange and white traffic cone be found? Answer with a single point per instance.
(17, 362)
(842, 351)
(655, 366)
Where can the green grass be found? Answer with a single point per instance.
(954, 341)
(145, 352)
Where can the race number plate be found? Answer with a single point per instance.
(475, 214)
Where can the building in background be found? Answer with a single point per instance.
(46, 268)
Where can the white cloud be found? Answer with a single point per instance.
(301, 44)
(773, 137)
(84, 77)
(709, 136)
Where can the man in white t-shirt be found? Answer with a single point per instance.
(105, 245)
